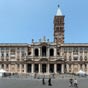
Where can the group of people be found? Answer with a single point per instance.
(73, 82)
(49, 81)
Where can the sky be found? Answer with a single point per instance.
(24, 20)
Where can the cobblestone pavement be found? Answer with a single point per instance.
(37, 83)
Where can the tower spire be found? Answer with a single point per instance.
(59, 13)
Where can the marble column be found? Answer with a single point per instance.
(32, 68)
(25, 68)
(48, 68)
(72, 70)
(83, 67)
(83, 55)
(9, 67)
(39, 69)
(67, 67)
(55, 50)
(62, 68)
(87, 67)
(55, 68)
(20, 68)
(79, 67)
(39, 51)
(5, 66)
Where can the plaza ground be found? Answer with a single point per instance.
(37, 83)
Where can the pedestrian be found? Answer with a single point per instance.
(49, 82)
(71, 82)
(75, 83)
(43, 81)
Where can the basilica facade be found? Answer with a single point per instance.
(45, 56)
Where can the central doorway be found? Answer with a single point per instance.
(29, 68)
(51, 68)
(36, 69)
(59, 68)
(44, 68)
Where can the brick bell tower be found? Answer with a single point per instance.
(59, 27)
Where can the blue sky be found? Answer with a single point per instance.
(22, 20)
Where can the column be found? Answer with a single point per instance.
(32, 51)
(67, 67)
(4, 66)
(62, 68)
(16, 54)
(87, 67)
(55, 52)
(79, 67)
(83, 54)
(67, 56)
(72, 55)
(4, 54)
(39, 69)
(83, 68)
(48, 53)
(55, 68)
(9, 67)
(72, 70)
(78, 54)
(32, 68)
(39, 51)
(16, 68)
(48, 68)
(25, 68)
(20, 68)
(0, 66)
(9, 54)
(20, 54)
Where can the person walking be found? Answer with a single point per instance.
(71, 82)
(75, 83)
(43, 81)
(49, 82)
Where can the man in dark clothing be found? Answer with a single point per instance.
(43, 81)
(71, 82)
(49, 82)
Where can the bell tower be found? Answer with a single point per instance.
(59, 27)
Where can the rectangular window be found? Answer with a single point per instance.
(75, 58)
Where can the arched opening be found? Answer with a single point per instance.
(51, 52)
(43, 50)
(44, 68)
(51, 68)
(59, 68)
(29, 68)
(36, 52)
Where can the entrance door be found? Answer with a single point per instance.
(43, 68)
(12, 68)
(36, 68)
(59, 68)
(29, 68)
(51, 68)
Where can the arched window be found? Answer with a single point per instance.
(51, 52)
(85, 58)
(81, 58)
(36, 52)
(43, 50)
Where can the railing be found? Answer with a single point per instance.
(47, 57)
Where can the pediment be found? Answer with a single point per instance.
(43, 44)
